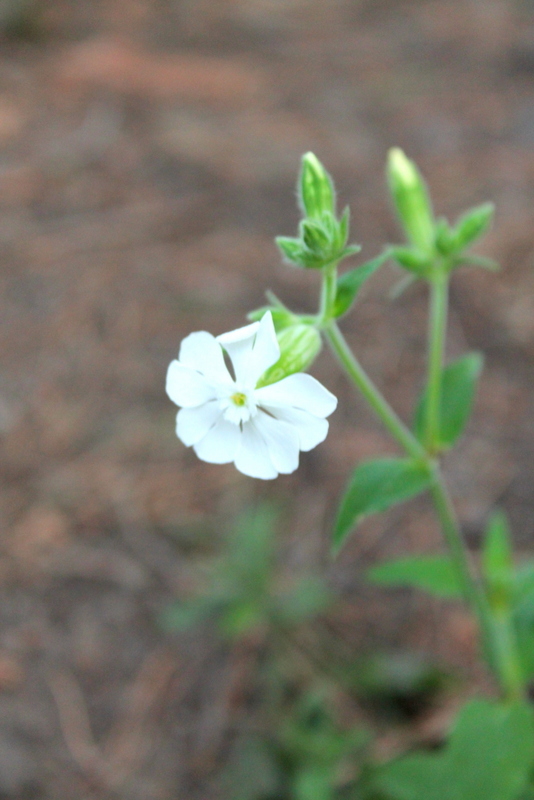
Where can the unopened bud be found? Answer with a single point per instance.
(315, 188)
(411, 199)
(299, 346)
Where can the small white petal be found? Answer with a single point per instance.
(186, 387)
(266, 350)
(311, 430)
(298, 391)
(202, 352)
(282, 442)
(220, 444)
(192, 424)
(252, 457)
(252, 349)
(238, 344)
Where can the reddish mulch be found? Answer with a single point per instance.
(148, 158)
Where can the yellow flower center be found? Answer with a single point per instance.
(239, 399)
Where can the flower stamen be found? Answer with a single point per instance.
(239, 399)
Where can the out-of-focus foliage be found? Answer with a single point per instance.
(243, 592)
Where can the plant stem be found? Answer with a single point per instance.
(502, 661)
(375, 399)
(439, 291)
(506, 652)
(328, 291)
(497, 638)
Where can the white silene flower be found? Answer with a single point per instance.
(229, 419)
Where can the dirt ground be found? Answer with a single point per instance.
(149, 151)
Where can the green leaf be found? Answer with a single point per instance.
(417, 777)
(412, 259)
(434, 574)
(292, 249)
(314, 783)
(472, 225)
(476, 261)
(376, 486)
(489, 757)
(524, 583)
(457, 395)
(497, 562)
(350, 283)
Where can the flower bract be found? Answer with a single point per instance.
(226, 418)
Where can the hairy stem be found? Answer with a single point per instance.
(439, 291)
(501, 656)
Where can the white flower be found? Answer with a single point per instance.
(228, 419)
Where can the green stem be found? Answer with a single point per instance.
(503, 663)
(378, 403)
(498, 641)
(439, 295)
(328, 291)
(506, 652)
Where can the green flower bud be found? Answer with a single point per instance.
(299, 346)
(411, 199)
(316, 237)
(315, 188)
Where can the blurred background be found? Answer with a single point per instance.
(148, 156)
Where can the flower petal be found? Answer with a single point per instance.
(220, 444)
(311, 430)
(192, 424)
(266, 350)
(282, 442)
(298, 391)
(186, 387)
(202, 352)
(253, 349)
(252, 457)
(238, 344)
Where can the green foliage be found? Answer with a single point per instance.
(489, 756)
(434, 574)
(434, 246)
(350, 283)
(323, 238)
(458, 388)
(497, 562)
(412, 259)
(316, 746)
(242, 592)
(300, 759)
(376, 486)
(472, 225)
